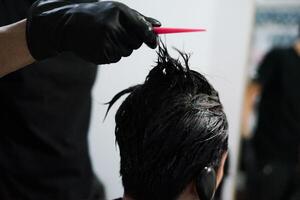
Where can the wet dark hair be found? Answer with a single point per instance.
(168, 129)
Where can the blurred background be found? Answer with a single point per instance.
(239, 34)
(268, 165)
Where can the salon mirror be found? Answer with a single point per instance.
(269, 148)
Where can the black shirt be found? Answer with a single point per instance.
(277, 135)
(44, 120)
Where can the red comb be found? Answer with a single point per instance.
(164, 30)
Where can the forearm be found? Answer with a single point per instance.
(14, 53)
(57, 26)
(252, 91)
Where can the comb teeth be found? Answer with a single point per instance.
(165, 30)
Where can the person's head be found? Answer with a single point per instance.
(172, 134)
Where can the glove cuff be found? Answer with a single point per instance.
(41, 37)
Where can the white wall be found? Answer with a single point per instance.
(230, 52)
(218, 53)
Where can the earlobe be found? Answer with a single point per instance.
(206, 183)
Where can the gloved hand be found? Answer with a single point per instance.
(100, 32)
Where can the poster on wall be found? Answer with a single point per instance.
(276, 25)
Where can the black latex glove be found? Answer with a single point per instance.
(100, 32)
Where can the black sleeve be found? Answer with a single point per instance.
(268, 69)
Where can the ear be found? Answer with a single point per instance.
(206, 183)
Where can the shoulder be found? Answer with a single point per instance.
(275, 55)
(277, 51)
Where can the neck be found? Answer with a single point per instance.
(297, 47)
(126, 197)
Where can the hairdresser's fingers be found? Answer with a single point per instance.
(152, 37)
(123, 42)
(148, 35)
(154, 22)
(112, 55)
(128, 39)
(128, 44)
(120, 45)
(144, 29)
